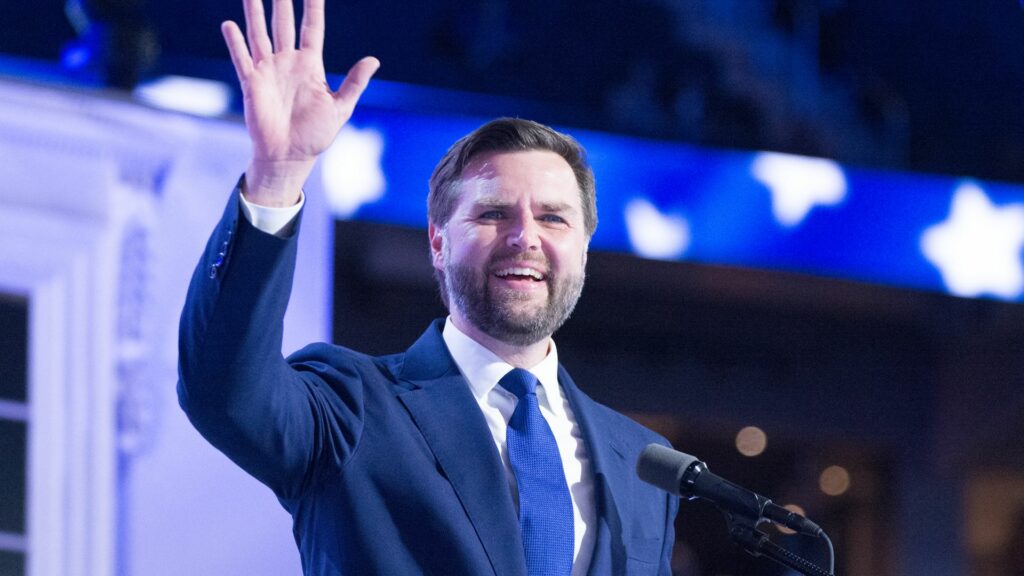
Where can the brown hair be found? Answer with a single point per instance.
(508, 135)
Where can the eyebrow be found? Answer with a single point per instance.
(545, 206)
(492, 203)
(557, 207)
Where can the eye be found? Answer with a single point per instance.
(492, 215)
(552, 219)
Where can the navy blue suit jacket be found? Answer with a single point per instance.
(385, 463)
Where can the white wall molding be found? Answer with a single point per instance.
(104, 209)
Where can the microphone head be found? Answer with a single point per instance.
(663, 467)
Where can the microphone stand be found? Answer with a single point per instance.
(744, 533)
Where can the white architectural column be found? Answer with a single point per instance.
(105, 206)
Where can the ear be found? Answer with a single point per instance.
(436, 235)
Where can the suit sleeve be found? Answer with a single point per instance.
(275, 421)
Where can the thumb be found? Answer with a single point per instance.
(355, 82)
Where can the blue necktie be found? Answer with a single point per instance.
(545, 508)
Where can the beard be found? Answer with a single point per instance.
(509, 315)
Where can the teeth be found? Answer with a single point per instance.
(519, 272)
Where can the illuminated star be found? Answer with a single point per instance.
(351, 170)
(977, 248)
(798, 184)
(189, 95)
(653, 234)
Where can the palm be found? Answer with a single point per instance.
(290, 111)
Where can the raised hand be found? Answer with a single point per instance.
(290, 111)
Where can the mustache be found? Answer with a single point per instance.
(513, 258)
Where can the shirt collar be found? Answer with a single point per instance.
(483, 368)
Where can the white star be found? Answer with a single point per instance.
(798, 183)
(189, 95)
(653, 234)
(351, 170)
(977, 248)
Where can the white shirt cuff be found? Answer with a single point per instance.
(277, 221)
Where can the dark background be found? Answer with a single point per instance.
(923, 85)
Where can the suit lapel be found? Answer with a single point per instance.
(443, 408)
(609, 468)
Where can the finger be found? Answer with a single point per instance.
(282, 20)
(356, 80)
(239, 51)
(312, 35)
(256, 29)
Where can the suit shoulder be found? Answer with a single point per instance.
(321, 356)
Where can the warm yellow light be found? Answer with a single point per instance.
(834, 480)
(751, 441)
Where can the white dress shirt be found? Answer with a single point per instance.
(482, 370)
(272, 220)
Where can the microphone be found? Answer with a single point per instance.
(686, 476)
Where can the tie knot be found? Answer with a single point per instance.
(519, 382)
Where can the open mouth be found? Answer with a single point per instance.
(520, 274)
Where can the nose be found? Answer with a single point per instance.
(524, 233)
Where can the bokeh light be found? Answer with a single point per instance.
(751, 441)
(834, 480)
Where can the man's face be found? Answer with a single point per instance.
(514, 251)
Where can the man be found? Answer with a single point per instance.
(471, 453)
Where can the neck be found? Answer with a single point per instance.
(525, 356)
